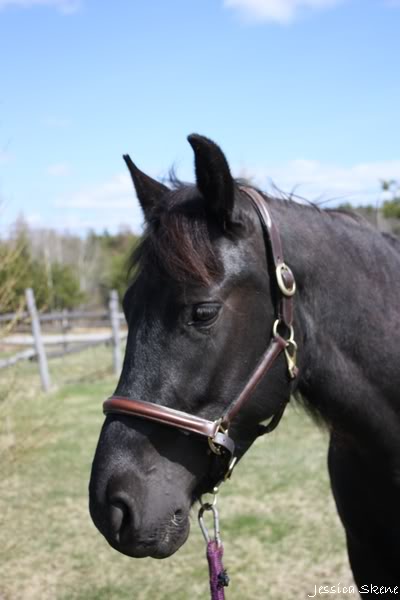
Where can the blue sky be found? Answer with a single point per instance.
(306, 92)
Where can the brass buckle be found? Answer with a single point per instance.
(215, 448)
(280, 269)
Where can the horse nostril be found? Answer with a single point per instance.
(178, 517)
(121, 515)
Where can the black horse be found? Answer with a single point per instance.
(200, 312)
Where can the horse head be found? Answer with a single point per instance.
(200, 312)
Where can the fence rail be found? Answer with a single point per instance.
(58, 316)
(56, 339)
(70, 342)
(12, 360)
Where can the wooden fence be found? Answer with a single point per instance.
(64, 342)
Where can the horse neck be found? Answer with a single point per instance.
(347, 277)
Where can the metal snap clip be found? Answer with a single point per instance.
(203, 527)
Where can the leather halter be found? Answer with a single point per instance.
(217, 431)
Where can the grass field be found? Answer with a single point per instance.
(280, 530)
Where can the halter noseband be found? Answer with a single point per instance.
(217, 431)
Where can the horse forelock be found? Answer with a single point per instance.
(178, 240)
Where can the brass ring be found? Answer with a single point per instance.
(209, 505)
(288, 292)
(290, 339)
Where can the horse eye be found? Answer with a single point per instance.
(204, 314)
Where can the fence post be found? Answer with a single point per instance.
(116, 339)
(64, 326)
(37, 340)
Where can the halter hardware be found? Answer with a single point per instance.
(285, 280)
(216, 432)
(290, 349)
(231, 466)
(213, 444)
(218, 576)
(291, 356)
(217, 534)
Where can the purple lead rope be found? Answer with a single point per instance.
(218, 576)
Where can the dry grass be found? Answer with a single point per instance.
(281, 533)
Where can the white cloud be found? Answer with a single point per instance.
(107, 204)
(112, 203)
(59, 169)
(63, 6)
(279, 11)
(75, 222)
(115, 193)
(359, 183)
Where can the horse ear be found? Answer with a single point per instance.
(213, 177)
(148, 190)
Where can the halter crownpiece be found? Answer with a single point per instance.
(217, 431)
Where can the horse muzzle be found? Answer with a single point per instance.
(155, 525)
